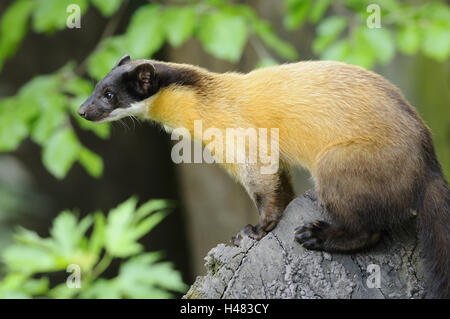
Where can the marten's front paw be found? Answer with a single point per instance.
(254, 232)
(312, 235)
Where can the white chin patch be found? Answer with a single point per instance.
(138, 109)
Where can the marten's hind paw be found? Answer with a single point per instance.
(312, 235)
(254, 232)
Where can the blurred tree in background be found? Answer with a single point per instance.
(44, 109)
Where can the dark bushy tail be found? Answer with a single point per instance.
(434, 233)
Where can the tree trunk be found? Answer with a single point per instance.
(279, 267)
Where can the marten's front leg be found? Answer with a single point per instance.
(271, 193)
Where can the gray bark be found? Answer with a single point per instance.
(278, 267)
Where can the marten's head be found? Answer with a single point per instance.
(117, 94)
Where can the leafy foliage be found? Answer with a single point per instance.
(13, 27)
(222, 28)
(408, 27)
(41, 109)
(31, 258)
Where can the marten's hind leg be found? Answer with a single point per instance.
(365, 192)
(271, 193)
(320, 235)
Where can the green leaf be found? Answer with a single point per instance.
(436, 42)
(60, 152)
(53, 115)
(139, 277)
(382, 44)
(179, 24)
(296, 13)
(67, 232)
(17, 113)
(147, 258)
(30, 238)
(328, 31)
(264, 31)
(40, 85)
(385, 5)
(38, 94)
(151, 206)
(13, 129)
(338, 51)
(102, 288)
(51, 15)
(318, 10)
(91, 162)
(97, 239)
(13, 281)
(35, 287)
(101, 61)
(138, 271)
(107, 7)
(13, 27)
(119, 238)
(62, 291)
(125, 225)
(435, 12)
(29, 259)
(360, 56)
(223, 35)
(361, 52)
(78, 86)
(408, 38)
(148, 224)
(265, 63)
(18, 285)
(373, 45)
(145, 33)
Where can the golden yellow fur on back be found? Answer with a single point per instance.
(317, 104)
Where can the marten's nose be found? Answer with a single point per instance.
(82, 112)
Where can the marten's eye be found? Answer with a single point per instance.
(108, 95)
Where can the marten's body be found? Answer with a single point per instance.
(369, 153)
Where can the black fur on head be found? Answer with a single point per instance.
(133, 81)
(127, 83)
(142, 80)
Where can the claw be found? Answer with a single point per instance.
(309, 235)
(301, 237)
(254, 232)
(312, 244)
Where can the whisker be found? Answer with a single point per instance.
(122, 124)
(125, 124)
(137, 121)
(132, 120)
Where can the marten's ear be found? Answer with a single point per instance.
(142, 79)
(123, 60)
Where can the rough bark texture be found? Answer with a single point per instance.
(278, 267)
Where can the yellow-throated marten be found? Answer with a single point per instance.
(370, 155)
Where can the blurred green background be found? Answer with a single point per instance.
(73, 192)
